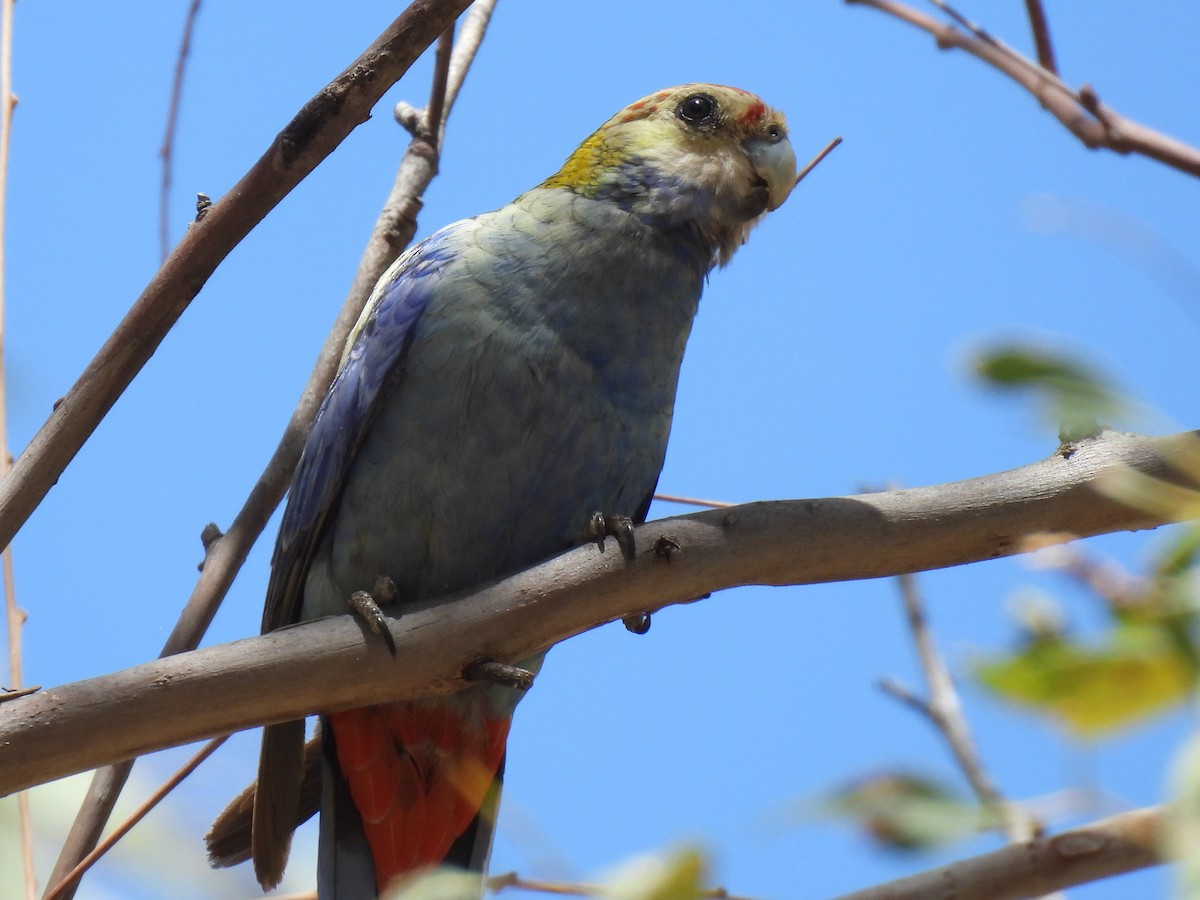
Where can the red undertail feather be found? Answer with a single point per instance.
(418, 773)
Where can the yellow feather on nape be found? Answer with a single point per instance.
(581, 171)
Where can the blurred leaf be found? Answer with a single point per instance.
(1180, 555)
(1183, 824)
(904, 811)
(439, 884)
(1078, 399)
(676, 875)
(1039, 615)
(1142, 491)
(1094, 689)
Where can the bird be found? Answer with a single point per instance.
(510, 376)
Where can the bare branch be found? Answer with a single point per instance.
(499, 883)
(816, 160)
(61, 888)
(1041, 35)
(1080, 112)
(944, 710)
(470, 36)
(332, 664)
(1113, 846)
(693, 501)
(312, 135)
(14, 616)
(167, 151)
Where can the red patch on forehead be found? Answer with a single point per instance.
(639, 110)
(753, 112)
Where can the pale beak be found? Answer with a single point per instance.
(775, 162)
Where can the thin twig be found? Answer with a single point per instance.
(815, 161)
(14, 616)
(397, 222)
(13, 693)
(470, 36)
(1120, 589)
(437, 88)
(499, 883)
(1081, 112)
(1041, 35)
(692, 501)
(1122, 843)
(944, 710)
(59, 888)
(225, 555)
(167, 151)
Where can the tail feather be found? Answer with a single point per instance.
(277, 799)
(425, 777)
(345, 869)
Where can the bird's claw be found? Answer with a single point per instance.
(365, 605)
(499, 673)
(602, 525)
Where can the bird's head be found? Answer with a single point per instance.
(702, 156)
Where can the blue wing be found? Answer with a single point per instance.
(373, 367)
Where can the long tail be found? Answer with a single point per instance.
(424, 779)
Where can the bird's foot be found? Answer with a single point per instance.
(365, 605)
(602, 525)
(499, 673)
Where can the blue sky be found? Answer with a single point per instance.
(832, 354)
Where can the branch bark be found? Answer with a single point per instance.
(1081, 112)
(1112, 846)
(323, 123)
(334, 664)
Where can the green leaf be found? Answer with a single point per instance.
(1090, 690)
(904, 811)
(1076, 397)
(1183, 823)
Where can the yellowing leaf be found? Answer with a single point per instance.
(1183, 822)
(437, 884)
(1093, 689)
(677, 875)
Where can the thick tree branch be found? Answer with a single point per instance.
(1113, 846)
(334, 664)
(1081, 112)
(313, 134)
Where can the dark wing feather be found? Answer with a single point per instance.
(373, 366)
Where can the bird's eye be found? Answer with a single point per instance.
(698, 109)
(775, 133)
